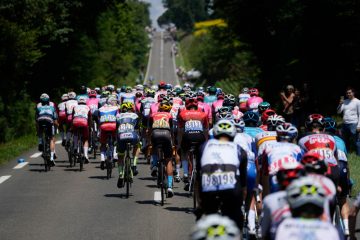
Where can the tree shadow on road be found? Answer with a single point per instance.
(147, 178)
(99, 177)
(117, 195)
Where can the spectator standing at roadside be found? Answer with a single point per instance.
(287, 98)
(350, 110)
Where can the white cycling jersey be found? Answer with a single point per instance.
(306, 229)
(244, 140)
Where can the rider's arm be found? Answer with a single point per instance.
(242, 155)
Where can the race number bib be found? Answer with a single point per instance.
(83, 113)
(218, 181)
(126, 128)
(327, 154)
(162, 123)
(107, 118)
(124, 136)
(193, 126)
(275, 165)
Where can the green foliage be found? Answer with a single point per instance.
(15, 147)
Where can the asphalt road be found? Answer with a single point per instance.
(68, 204)
(161, 63)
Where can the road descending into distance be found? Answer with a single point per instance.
(68, 204)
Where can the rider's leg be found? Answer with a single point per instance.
(52, 148)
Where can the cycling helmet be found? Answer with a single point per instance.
(105, 94)
(168, 86)
(167, 98)
(200, 96)
(138, 94)
(314, 121)
(110, 87)
(286, 131)
(263, 106)
(112, 101)
(165, 106)
(253, 92)
(220, 96)
(212, 90)
(191, 103)
(171, 93)
(224, 115)
(93, 93)
(187, 85)
(154, 87)
(160, 97)
(123, 88)
(273, 121)
(82, 100)
(162, 85)
(266, 114)
(219, 90)
(83, 89)
(72, 95)
(200, 89)
(289, 171)
(251, 118)
(239, 124)
(306, 195)
(245, 90)
(314, 163)
(126, 106)
(224, 127)
(64, 97)
(97, 89)
(224, 109)
(118, 90)
(44, 98)
(215, 227)
(128, 89)
(150, 93)
(330, 124)
(139, 87)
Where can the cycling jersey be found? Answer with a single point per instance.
(237, 114)
(69, 106)
(62, 112)
(205, 108)
(161, 120)
(86, 96)
(128, 97)
(128, 123)
(323, 144)
(45, 113)
(243, 97)
(93, 104)
(102, 101)
(193, 120)
(217, 105)
(107, 115)
(341, 149)
(81, 116)
(146, 104)
(210, 99)
(263, 139)
(253, 102)
(300, 229)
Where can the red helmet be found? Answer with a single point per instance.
(266, 114)
(220, 96)
(162, 85)
(253, 92)
(289, 171)
(191, 102)
(314, 118)
(160, 97)
(314, 162)
(92, 93)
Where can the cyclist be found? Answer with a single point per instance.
(128, 96)
(306, 199)
(193, 130)
(146, 104)
(62, 117)
(128, 122)
(81, 118)
(324, 144)
(161, 134)
(161, 89)
(215, 227)
(211, 97)
(107, 125)
(93, 103)
(263, 106)
(46, 115)
(317, 168)
(243, 97)
(218, 103)
(82, 92)
(264, 117)
(69, 106)
(283, 149)
(204, 107)
(103, 98)
(275, 206)
(223, 160)
(253, 102)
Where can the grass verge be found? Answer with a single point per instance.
(16, 147)
(354, 166)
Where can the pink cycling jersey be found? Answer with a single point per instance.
(206, 108)
(253, 103)
(93, 104)
(217, 104)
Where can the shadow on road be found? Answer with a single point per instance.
(180, 209)
(152, 186)
(37, 170)
(147, 178)
(117, 195)
(36, 164)
(182, 194)
(72, 170)
(98, 177)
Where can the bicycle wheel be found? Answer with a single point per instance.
(46, 154)
(162, 182)
(127, 175)
(194, 188)
(109, 167)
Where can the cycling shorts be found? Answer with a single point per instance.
(47, 127)
(62, 117)
(162, 137)
(192, 138)
(107, 129)
(124, 138)
(251, 176)
(83, 130)
(334, 174)
(343, 179)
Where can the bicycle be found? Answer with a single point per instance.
(128, 176)
(192, 167)
(93, 138)
(78, 153)
(161, 180)
(46, 147)
(109, 160)
(338, 221)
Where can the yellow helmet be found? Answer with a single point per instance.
(165, 106)
(126, 106)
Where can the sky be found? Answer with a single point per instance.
(156, 10)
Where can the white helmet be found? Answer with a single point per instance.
(82, 100)
(225, 127)
(286, 131)
(139, 87)
(305, 191)
(72, 95)
(215, 227)
(155, 87)
(64, 97)
(239, 124)
(112, 100)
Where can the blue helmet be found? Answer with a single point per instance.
(330, 124)
(251, 118)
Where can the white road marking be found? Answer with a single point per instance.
(4, 178)
(35, 155)
(58, 142)
(157, 196)
(148, 66)
(21, 165)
